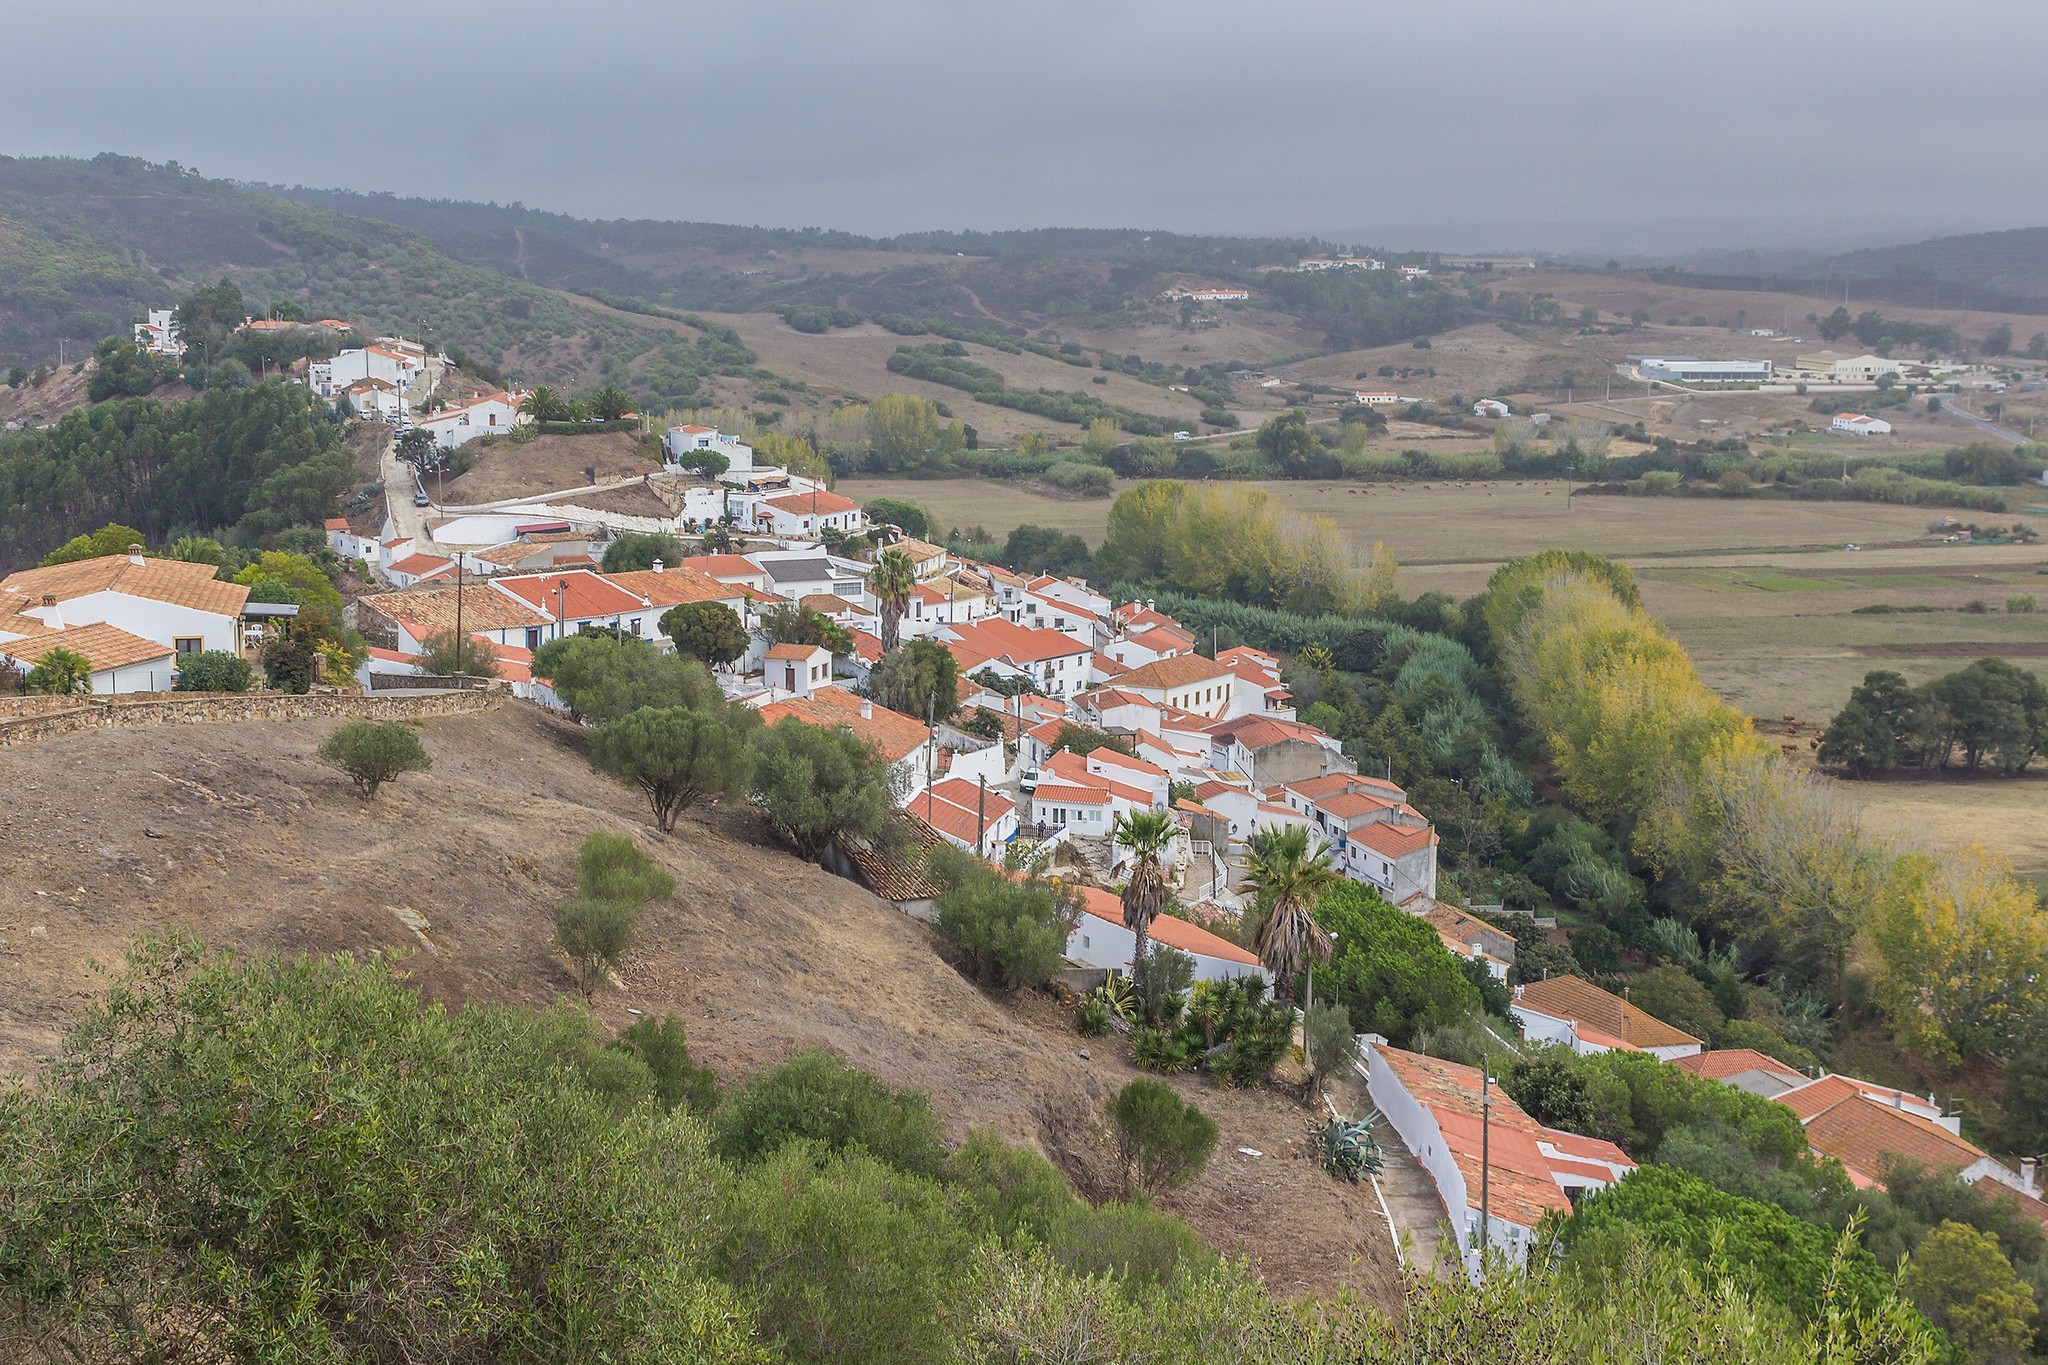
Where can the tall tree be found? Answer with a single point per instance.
(1287, 877)
(1146, 833)
(543, 404)
(892, 580)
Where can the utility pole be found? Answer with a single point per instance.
(981, 814)
(1485, 1157)
(460, 638)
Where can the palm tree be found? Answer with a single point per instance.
(611, 403)
(1288, 878)
(1146, 833)
(543, 404)
(893, 578)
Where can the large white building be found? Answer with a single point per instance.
(1685, 369)
(177, 605)
(158, 333)
(1856, 424)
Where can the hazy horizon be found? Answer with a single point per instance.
(1476, 126)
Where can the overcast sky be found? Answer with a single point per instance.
(1508, 123)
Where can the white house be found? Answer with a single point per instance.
(1489, 407)
(172, 603)
(1247, 811)
(1577, 1014)
(682, 442)
(1055, 664)
(967, 814)
(1101, 940)
(798, 670)
(158, 333)
(1185, 682)
(118, 661)
(346, 544)
(1856, 424)
(807, 516)
(1466, 1140)
(1375, 398)
(492, 414)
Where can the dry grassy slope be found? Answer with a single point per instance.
(237, 833)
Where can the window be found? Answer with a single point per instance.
(189, 644)
(634, 625)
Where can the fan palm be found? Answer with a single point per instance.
(543, 404)
(1288, 878)
(1146, 833)
(611, 403)
(891, 582)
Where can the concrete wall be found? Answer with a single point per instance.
(200, 708)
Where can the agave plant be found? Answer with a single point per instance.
(1350, 1149)
(1118, 998)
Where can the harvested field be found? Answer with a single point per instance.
(548, 463)
(236, 833)
(2003, 813)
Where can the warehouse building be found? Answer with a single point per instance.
(1685, 369)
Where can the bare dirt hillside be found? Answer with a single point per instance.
(548, 463)
(236, 833)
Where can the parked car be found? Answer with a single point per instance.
(1029, 782)
(422, 500)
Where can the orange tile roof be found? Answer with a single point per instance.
(1072, 795)
(1344, 805)
(2028, 1204)
(1181, 670)
(429, 611)
(1316, 787)
(820, 504)
(1174, 933)
(726, 566)
(896, 874)
(335, 524)
(1722, 1062)
(585, 595)
(1583, 1003)
(998, 639)
(1812, 1097)
(672, 587)
(1861, 1133)
(1397, 841)
(790, 651)
(103, 646)
(170, 581)
(954, 807)
(891, 734)
(419, 565)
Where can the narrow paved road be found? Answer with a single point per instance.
(406, 519)
(1983, 424)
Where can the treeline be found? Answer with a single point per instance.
(1240, 544)
(1361, 308)
(1751, 850)
(1990, 714)
(246, 463)
(1883, 334)
(946, 363)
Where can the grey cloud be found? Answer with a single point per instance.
(1500, 122)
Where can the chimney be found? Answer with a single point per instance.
(2028, 1177)
(867, 709)
(135, 555)
(657, 566)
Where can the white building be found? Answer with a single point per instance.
(1055, 664)
(1101, 940)
(158, 333)
(806, 516)
(1489, 407)
(172, 603)
(1577, 1014)
(1856, 424)
(493, 414)
(118, 661)
(1476, 1146)
(681, 442)
(1185, 682)
(1685, 369)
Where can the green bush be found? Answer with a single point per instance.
(594, 932)
(602, 677)
(1013, 932)
(818, 784)
(675, 755)
(372, 753)
(678, 1082)
(1163, 1049)
(1390, 969)
(1163, 1142)
(816, 1098)
(1092, 1019)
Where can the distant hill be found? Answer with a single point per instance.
(85, 246)
(1995, 271)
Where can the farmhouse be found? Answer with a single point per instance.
(179, 605)
(1856, 424)
(807, 515)
(117, 660)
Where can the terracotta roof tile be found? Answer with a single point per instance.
(429, 611)
(169, 581)
(1173, 932)
(1722, 1062)
(1182, 670)
(1582, 1002)
(673, 587)
(104, 646)
(1861, 1133)
(891, 734)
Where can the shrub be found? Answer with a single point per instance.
(445, 654)
(661, 1047)
(1390, 968)
(603, 677)
(1163, 1049)
(1671, 994)
(612, 867)
(214, 670)
(595, 933)
(372, 753)
(1014, 933)
(674, 754)
(1092, 1019)
(710, 632)
(819, 1099)
(60, 672)
(637, 550)
(1331, 1045)
(818, 784)
(2022, 604)
(1164, 1142)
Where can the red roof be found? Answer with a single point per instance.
(726, 566)
(1395, 841)
(955, 807)
(821, 504)
(1071, 795)
(1723, 1062)
(1174, 933)
(585, 595)
(419, 565)
(335, 524)
(1581, 1002)
(1018, 645)
(891, 734)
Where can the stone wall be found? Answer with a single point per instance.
(73, 714)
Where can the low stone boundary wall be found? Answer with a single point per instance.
(202, 708)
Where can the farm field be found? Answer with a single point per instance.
(2001, 813)
(1763, 594)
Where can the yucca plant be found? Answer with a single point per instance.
(1118, 998)
(1349, 1148)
